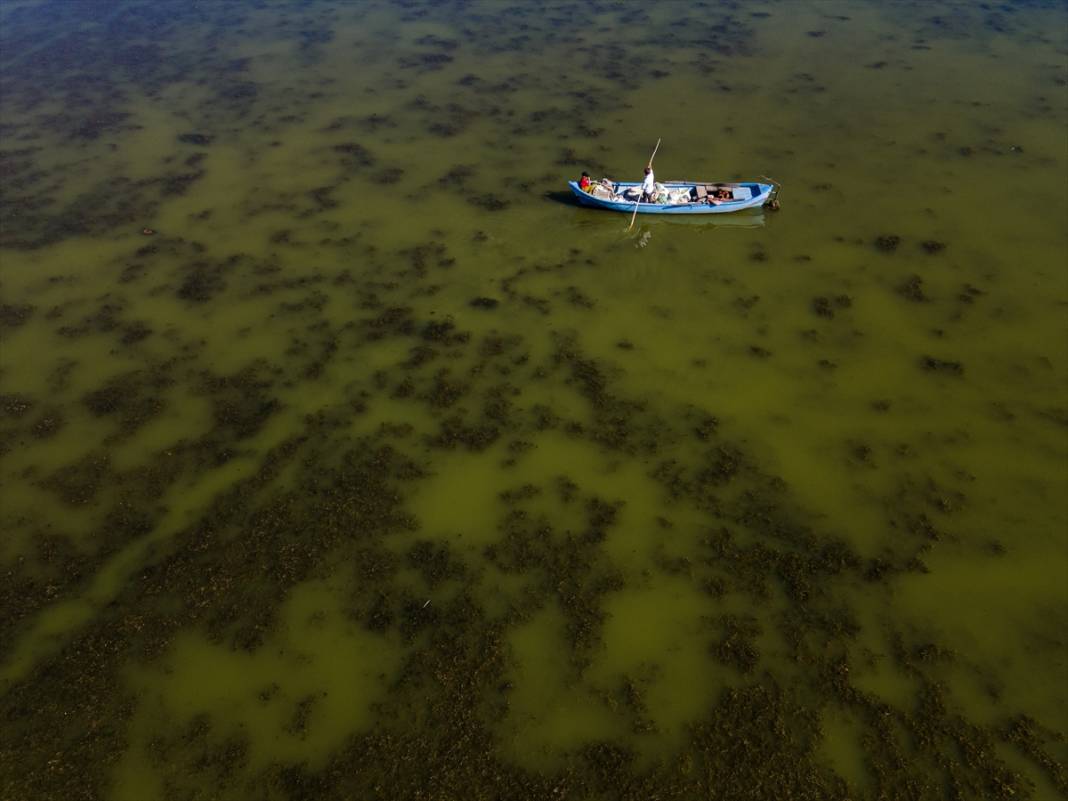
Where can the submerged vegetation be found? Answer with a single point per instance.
(340, 457)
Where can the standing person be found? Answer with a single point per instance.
(648, 186)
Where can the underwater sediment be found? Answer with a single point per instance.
(342, 456)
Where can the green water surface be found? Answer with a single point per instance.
(343, 456)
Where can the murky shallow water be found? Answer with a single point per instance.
(380, 470)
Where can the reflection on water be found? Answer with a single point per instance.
(643, 234)
(343, 455)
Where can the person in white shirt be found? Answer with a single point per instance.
(648, 186)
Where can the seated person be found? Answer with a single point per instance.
(719, 194)
(585, 182)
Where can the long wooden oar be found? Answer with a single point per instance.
(773, 198)
(639, 200)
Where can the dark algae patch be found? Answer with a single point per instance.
(343, 455)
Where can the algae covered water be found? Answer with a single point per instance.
(343, 456)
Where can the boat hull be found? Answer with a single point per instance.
(760, 194)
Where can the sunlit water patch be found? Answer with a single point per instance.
(343, 455)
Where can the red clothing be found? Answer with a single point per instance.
(584, 182)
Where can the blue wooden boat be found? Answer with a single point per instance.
(700, 198)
